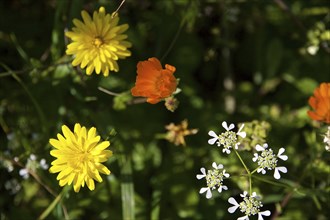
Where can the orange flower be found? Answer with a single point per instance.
(320, 102)
(154, 82)
(176, 133)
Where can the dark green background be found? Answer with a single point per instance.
(237, 61)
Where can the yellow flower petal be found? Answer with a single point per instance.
(55, 143)
(90, 183)
(67, 133)
(91, 39)
(79, 155)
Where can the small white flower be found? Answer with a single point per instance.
(24, 173)
(214, 179)
(227, 139)
(249, 206)
(33, 157)
(32, 165)
(267, 160)
(43, 164)
(326, 140)
(12, 186)
(312, 50)
(8, 164)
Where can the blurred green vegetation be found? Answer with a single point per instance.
(237, 61)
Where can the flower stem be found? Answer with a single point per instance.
(250, 185)
(107, 91)
(121, 4)
(272, 182)
(127, 187)
(254, 170)
(34, 101)
(239, 157)
(58, 198)
(247, 170)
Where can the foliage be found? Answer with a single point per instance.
(238, 61)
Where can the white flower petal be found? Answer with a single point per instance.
(242, 134)
(259, 148)
(200, 176)
(220, 189)
(262, 170)
(282, 169)
(226, 150)
(220, 166)
(209, 194)
(214, 139)
(240, 128)
(203, 190)
(244, 194)
(232, 209)
(231, 127)
(224, 187)
(224, 125)
(243, 218)
(254, 194)
(277, 174)
(232, 201)
(283, 157)
(255, 158)
(265, 213)
(225, 174)
(213, 134)
(265, 145)
(203, 170)
(279, 155)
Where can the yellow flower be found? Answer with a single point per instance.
(98, 42)
(79, 157)
(176, 133)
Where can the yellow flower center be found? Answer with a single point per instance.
(98, 42)
(79, 160)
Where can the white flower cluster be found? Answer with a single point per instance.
(249, 206)
(227, 139)
(214, 179)
(268, 160)
(32, 164)
(265, 158)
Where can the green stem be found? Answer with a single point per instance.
(317, 202)
(271, 182)
(34, 101)
(247, 170)
(177, 34)
(57, 33)
(255, 170)
(50, 208)
(250, 185)
(127, 187)
(239, 157)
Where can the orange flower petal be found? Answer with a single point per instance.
(154, 82)
(320, 102)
